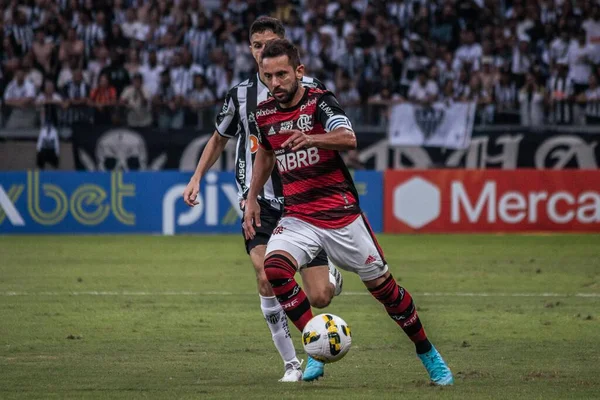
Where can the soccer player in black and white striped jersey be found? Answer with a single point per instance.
(236, 119)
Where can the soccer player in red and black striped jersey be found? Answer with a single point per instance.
(301, 130)
(236, 120)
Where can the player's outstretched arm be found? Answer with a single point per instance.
(340, 135)
(210, 155)
(261, 171)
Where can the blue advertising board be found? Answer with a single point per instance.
(136, 202)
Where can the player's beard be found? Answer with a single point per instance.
(289, 94)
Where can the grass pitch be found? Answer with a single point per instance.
(127, 317)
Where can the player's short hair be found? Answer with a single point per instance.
(282, 47)
(263, 24)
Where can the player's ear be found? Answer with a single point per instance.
(300, 71)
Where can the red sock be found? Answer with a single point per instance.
(280, 272)
(400, 306)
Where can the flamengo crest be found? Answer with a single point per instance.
(304, 122)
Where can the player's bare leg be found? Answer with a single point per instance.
(401, 308)
(316, 282)
(275, 318)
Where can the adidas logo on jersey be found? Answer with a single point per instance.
(271, 131)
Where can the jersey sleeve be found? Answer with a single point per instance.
(262, 139)
(227, 122)
(330, 114)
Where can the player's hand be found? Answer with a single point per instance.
(298, 140)
(251, 218)
(190, 194)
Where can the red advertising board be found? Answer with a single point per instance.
(453, 200)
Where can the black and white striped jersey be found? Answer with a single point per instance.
(238, 110)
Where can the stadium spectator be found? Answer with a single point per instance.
(42, 50)
(96, 65)
(560, 91)
(505, 99)
(133, 63)
(380, 103)
(32, 74)
(103, 99)
(76, 93)
(198, 39)
(71, 46)
(423, 90)
(469, 53)
(116, 72)
(151, 72)
(244, 64)
(199, 99)
(522, 60)
(137, 101)
(90, 32)
(167, 104)
(9, 56)
(66, 72)
(531, 102)
(447, 93)
(591, 100)
(580, 56)
(117, 41)
(225, 84)
(592, 30)
(216, 72)
(19, 97)
(559, 47)
(183, 71)
(154, 32)
(167, 50)
(347, 94)
(119, 13)
(49, 102)
(21, 32)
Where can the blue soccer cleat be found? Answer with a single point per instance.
(314, 370)
(438, 371)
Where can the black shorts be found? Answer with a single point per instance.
(269, 217)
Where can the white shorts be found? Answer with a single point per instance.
(352, 248)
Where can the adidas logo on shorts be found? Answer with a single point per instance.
(370, 260)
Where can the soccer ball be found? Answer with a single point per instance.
(326, 338)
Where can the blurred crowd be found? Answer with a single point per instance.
(168, 63)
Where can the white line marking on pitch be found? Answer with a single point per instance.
(190, 293)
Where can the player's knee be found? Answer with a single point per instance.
(320, 300)
(278, 268)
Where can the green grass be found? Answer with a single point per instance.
(171, 338)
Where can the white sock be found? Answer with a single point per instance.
(332, 279)
(277, 323)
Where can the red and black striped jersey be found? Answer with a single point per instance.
(317, 186)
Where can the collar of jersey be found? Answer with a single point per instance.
(260, 82)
